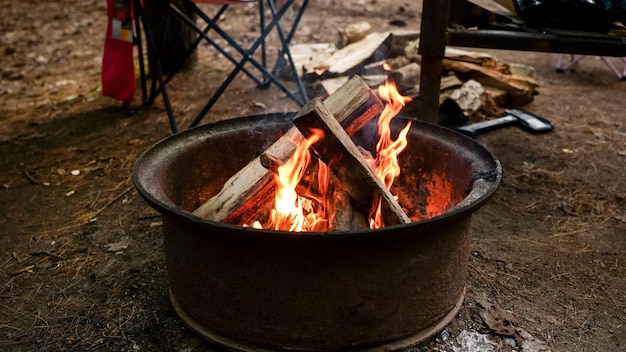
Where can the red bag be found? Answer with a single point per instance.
(118, 70)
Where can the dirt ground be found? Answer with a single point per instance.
(81, 257)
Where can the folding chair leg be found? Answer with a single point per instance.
(560, 67)
(158, 72)
(157, 90)
(573, 60)
(138, 42)
(285, 51)
(612, 67)
(159, 80)
(203, 34)
(247, 58)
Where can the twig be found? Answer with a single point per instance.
(93, 204)
(112, 201)
(611, 297)
(30, 178)
(149, 217)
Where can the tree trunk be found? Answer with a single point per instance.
(172, 37)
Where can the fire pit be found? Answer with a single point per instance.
(251, 290)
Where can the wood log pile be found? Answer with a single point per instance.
(480, 84)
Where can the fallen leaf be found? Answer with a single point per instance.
(497, 319)
(117, 246)
(532, 344)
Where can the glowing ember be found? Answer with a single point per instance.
(300, 208)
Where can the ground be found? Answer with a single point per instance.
(81, 256)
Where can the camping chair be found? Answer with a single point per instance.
(262, 74)
(575, 59)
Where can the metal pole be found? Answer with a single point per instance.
(435, 15)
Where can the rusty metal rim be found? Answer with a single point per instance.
(397, 345)
(480, 192)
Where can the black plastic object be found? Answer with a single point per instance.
(595, 15)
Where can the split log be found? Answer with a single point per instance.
(347, 59)
(330, 85)
(354, 104)
(481, 59)
(498, 96)
(468, 97)
(352, 33)
(450, 82)
(344, 158)
(520, 89)
(306, 57)
(404, 42)
(342, 214)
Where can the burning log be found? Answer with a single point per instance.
(354, 104)
(344, 158)
(341, 213)
(343, 216)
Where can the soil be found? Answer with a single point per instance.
(81, 255)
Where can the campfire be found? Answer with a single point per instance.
(382, 205)
(319, 205)
(316, 178)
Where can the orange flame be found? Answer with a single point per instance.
(298, 209)
(386, 165)
(292, 211)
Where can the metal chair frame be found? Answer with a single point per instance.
(267, 76)
(573, 60)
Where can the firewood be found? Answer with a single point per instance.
(481, 59)
(307, 57)
(353, 32)
(497, 95)
(468, 97)
(344, 158)
(342, 214)
(450, 82)
(520, 89)
(354, 104)
(347, 59)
